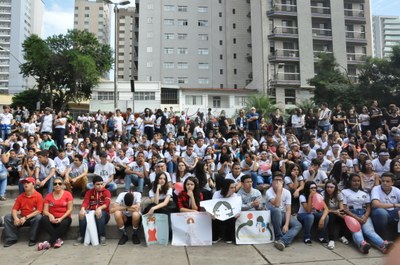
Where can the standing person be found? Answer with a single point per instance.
(46, 121)
(97, 199)
(324, 116)
(376, 117)
(59, 129)
(148, 121)
(26, 211)
(277, 120)
(5, 121)
(241, 123)
(56, 214)
(126, 210)
(339, 119)
(286, 226)
(357, 204)
(253, 123)
(129, 125)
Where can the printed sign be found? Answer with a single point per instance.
(254, 227)
(191, 229)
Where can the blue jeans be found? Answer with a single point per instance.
(110, 186)
(136, 180)
(278, 219)
(49, 184)
(5, 131)
(381, 219)
(100, 224)
(325, 128)
(368, 230)
(171, 167)
(307, 219)
(3, 186)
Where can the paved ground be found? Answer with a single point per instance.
(217, 254)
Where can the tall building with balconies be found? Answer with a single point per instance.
(386, 34)
(18, 20)
(195, 44)
(93, 16)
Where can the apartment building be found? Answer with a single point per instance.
(386, 31)
(93, 16)
(291, 35)
(18, 20)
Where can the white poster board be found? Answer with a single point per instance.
(191, 229)
(156, 229)
(254, 227)
(224, 208)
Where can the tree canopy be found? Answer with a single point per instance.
(66, 67)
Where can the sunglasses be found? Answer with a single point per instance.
(57, 184)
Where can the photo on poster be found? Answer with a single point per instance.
(191, 229)
(254, 227)
(156, 230)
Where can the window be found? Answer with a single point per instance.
(168, 80)
(183, 65)
(169, 8)
(203, 23)
(221, 57)
(168, 65)
(220, 14)
(150, 6)
(234, 25)
(149, 49)
(220, 28)
(203, 36)
(194, 100)
(168, 22)
(203, 81)
(217, 102)
(234, 56)
(168, 50)
(234, 40)
(149, 64)
(182, 36)
(203, 51)
(169, 36)
(149, 35)
(221, 71)
(221, 42)
(182, 51)
(169, 96)
(182, 8)
(233, 11)
(235, 71)
(150, 20)
(145, 95)
(105, 95)
(202, 9)
(203, 66)
(290, 96)
(240, 100)
(183, 80)
(182, 22)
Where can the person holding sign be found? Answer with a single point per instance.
(279, 203)
(227, 227)
(189, 199)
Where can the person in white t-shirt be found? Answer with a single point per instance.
(386, 205)
(5, 121)
(279, 200)
(382, 163)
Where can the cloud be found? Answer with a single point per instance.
(57, 20)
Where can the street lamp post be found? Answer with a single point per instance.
(116, 4)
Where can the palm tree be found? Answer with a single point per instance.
(263, 104)
(306, 105)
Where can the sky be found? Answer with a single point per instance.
(59, 14)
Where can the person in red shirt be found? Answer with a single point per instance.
(56, 214)
(97, 199)
(189, 199)
(26, 211)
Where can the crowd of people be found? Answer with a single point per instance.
(351, 159)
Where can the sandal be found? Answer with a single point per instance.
(344, 240)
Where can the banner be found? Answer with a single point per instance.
(156, 229)
(224, 208)
(254, 227)
(191, 229)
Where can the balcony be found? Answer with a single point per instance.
(356, 58)
(282, 10)
(284, 32)
(322, 34)
(285, 55)
(286, 78)
(355, 37)
(316, 53)
(353, 78)
(354, 15)
(321, 11)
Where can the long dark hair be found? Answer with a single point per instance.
(196, 190)
(165, 187)
(348, 183)
(306, 190)
(226, 183)
(334, 194)
(337, 174)
(201, 174)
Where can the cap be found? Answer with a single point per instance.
(29, 179)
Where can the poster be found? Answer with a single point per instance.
(156, 229)
(224, 208)
(254, 227)
(191, 229)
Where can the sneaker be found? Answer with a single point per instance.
(61, 241)
(216, 240)
(135, 237)
(387, 245)
(43, 245)
(78, 241)
(31, 243)
(103, 241)
(228, 241)
(331, 245)
(364, 247)
(3, 198)
(344, 240)
(279, 245)
(322, 241)
(9, 243)
(123, 240)
(57, 244)
(308, 242)
(1, 221)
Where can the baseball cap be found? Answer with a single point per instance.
(29, 179)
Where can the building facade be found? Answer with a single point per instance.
(386, 34)
(18, 20)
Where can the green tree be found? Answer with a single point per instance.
(263, 104)
(28, 98)
(66, 67)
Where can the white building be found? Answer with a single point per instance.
(18, 20)
(386, 34)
